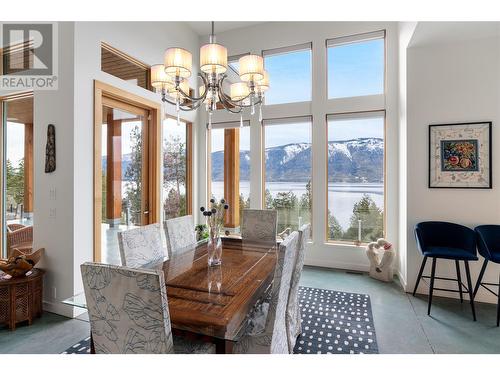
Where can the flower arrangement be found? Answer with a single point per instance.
(215, 214)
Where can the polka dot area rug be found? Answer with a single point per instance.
(335, 323)
(332, 323)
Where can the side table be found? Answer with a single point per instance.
(21, 298)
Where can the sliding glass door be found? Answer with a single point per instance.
(124, 162)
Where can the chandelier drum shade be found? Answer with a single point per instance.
(171, 80)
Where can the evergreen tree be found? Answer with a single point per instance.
(15, 182)
(334, 228)
(371, 217)
(174, 176)
(286, 205)
(133, 176)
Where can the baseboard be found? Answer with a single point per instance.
(337, 265)
(402, 280)
(60, 309)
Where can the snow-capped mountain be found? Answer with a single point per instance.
(356, 160)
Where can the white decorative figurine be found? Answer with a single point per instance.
(381, 255)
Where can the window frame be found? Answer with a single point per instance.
(189, 163)
(129, 59)
(355, 115)
(218, 125)
(283, 121)
(307, 46)
(352, 39)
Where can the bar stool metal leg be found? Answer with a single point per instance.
(469, 287)
(498, 302)
(422, 266)
(431, 285)
(480, 278)
(459, 280)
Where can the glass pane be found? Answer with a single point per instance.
(289, 77)
(18, 133)
(356, 69)
(244, 168)
(288, 173)
(122, 169)
(217, 163)
(356, 179)
(174, 168)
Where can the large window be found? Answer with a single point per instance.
(288, 170)
(289, 68)
(356, 177)
(230, 166)
(356, 65)
(176, 168)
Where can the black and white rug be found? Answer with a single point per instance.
(332, 323)
(335, 323)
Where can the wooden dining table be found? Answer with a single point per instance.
(215, 302)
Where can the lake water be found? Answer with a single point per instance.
(341, 197)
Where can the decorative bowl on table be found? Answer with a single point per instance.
(20, 264)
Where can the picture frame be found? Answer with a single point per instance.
(460, 155)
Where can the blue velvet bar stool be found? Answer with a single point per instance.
(442, 240)
(488, 243)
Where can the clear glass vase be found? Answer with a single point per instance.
(214, 247)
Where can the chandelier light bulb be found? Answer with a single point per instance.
(263, 85)
(213, 58)
(239, 91)
(251, 68)
(159, 79)
(178, 62)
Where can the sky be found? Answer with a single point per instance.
(15, 142)
(354, 69)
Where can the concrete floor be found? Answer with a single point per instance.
(401, 321)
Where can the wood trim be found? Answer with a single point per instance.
(189, 168)
(28, 168)
(124, 55)
(232, 176)
(104, 93)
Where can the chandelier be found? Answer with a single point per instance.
(171, 80)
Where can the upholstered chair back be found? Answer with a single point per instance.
(128, 309)
(293, 319)
(140, 246)
(488, 241)
(259, 225)
(180, 233)
(444, 234)
(275, 322)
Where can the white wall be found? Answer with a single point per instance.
(281, 34)
(450, 82)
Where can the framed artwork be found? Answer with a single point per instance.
(460, 155)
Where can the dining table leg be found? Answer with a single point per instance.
(223, 346)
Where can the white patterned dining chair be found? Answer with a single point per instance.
(141, 245)
(293, 314)
(259, 225)
(180, 233)
(128, 312)
(274, 339)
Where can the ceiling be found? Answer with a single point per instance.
(204, 27)
(449, 32)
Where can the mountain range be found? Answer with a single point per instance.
(355, 160)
